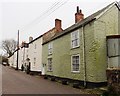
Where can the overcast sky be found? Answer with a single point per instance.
(35, 17)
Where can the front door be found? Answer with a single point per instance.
(43, 69)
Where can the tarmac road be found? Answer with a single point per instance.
(17, 82)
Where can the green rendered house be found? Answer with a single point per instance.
(79, 52)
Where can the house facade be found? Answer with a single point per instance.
(14, 59)
(35, 54)
(11, 60)
(80, 52)
(23, 55)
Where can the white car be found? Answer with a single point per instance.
(4, 63)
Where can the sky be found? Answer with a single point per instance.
(35, 17)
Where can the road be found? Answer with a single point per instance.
(17, 82)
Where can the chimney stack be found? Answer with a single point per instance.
(78, 15)
(30, 39)
(58, 24)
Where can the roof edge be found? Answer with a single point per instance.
(107, 8)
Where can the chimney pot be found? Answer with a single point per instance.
(30, 39)
(79, 16)
(77, 9)
(80, 11)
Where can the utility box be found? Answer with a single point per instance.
(113, 51)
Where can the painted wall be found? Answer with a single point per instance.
(106, 25)
(62, 53)
(23, 53)
(35, 51)
(11, 60)
(20, 56)
(15, 60)
(95, 50)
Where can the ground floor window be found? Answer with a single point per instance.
(75, 63)
(49, 64)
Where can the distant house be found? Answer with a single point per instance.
(22, 52)
(12, 60)
(23, 55)
(79, 52)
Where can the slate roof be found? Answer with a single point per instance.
(83, 22)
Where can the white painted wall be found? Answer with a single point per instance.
(35, 51)
(15, 60)
(11, 60)
(23, 55)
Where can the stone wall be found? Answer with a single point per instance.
(113, 78)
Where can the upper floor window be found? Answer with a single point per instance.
(75, 60)
(50, 48)
(49, 64)
(75, 39)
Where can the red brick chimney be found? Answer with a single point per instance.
(78, 16)
(58, 24)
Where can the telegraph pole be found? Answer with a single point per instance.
(17, 51)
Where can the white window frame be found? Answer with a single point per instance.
(50, 48)
(75, 39)
(34, 62)
(72, 63)
(49, 68)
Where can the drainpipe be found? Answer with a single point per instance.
(84, 55)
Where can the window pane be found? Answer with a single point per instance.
(50, 47)
(75, 39)
(75, 63)
(49, 64)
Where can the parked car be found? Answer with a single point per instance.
(4, 63)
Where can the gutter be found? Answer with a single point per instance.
(84, 56)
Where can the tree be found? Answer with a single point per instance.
(9, 46)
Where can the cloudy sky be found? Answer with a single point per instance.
(35, 17)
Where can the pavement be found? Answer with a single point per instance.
(18, 82)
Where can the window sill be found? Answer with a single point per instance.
(49, 54)
(75, 47)
(75, 72)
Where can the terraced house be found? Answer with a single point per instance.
(79, 53)
(35, 54)
(34, 58)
